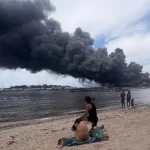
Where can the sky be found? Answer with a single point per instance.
(111, 23)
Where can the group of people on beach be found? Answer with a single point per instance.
(83, 133)
(130, 101)
(80, 126)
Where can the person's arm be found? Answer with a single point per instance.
(86, 112)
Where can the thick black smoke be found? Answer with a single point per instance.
(29, 40)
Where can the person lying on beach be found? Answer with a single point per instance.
(80, 128)
(90, 112)
(82, 132)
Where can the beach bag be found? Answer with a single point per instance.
(98, 134)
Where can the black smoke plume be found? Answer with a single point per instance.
(29, 40)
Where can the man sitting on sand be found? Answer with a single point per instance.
(90, 112)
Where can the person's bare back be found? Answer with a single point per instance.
(81, 133)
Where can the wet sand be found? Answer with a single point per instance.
(127, 129)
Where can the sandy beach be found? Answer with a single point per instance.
(127, 129)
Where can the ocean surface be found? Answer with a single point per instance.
(26, 105)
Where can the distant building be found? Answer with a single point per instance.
(17, 89)
(49, 88)
(67, 87)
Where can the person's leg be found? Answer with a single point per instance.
(127, 104)
(96, 121)
(124, 104)
(94, 124)
(90, 120)
(93, 121)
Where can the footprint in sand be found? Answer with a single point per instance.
(12, 141)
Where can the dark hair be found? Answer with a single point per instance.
(77, 121)
(88, 99)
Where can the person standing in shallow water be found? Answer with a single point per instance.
(90, 112)
(122, 95)
(128, 99)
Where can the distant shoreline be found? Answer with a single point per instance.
(116, 89)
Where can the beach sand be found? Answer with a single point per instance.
(127, 129)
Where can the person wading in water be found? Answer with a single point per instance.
(90, 112)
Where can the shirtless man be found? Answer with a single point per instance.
(81, 129)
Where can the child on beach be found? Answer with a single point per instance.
(132, 103)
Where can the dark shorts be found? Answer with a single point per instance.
(93, 120)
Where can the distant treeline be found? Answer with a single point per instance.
(38, 86)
